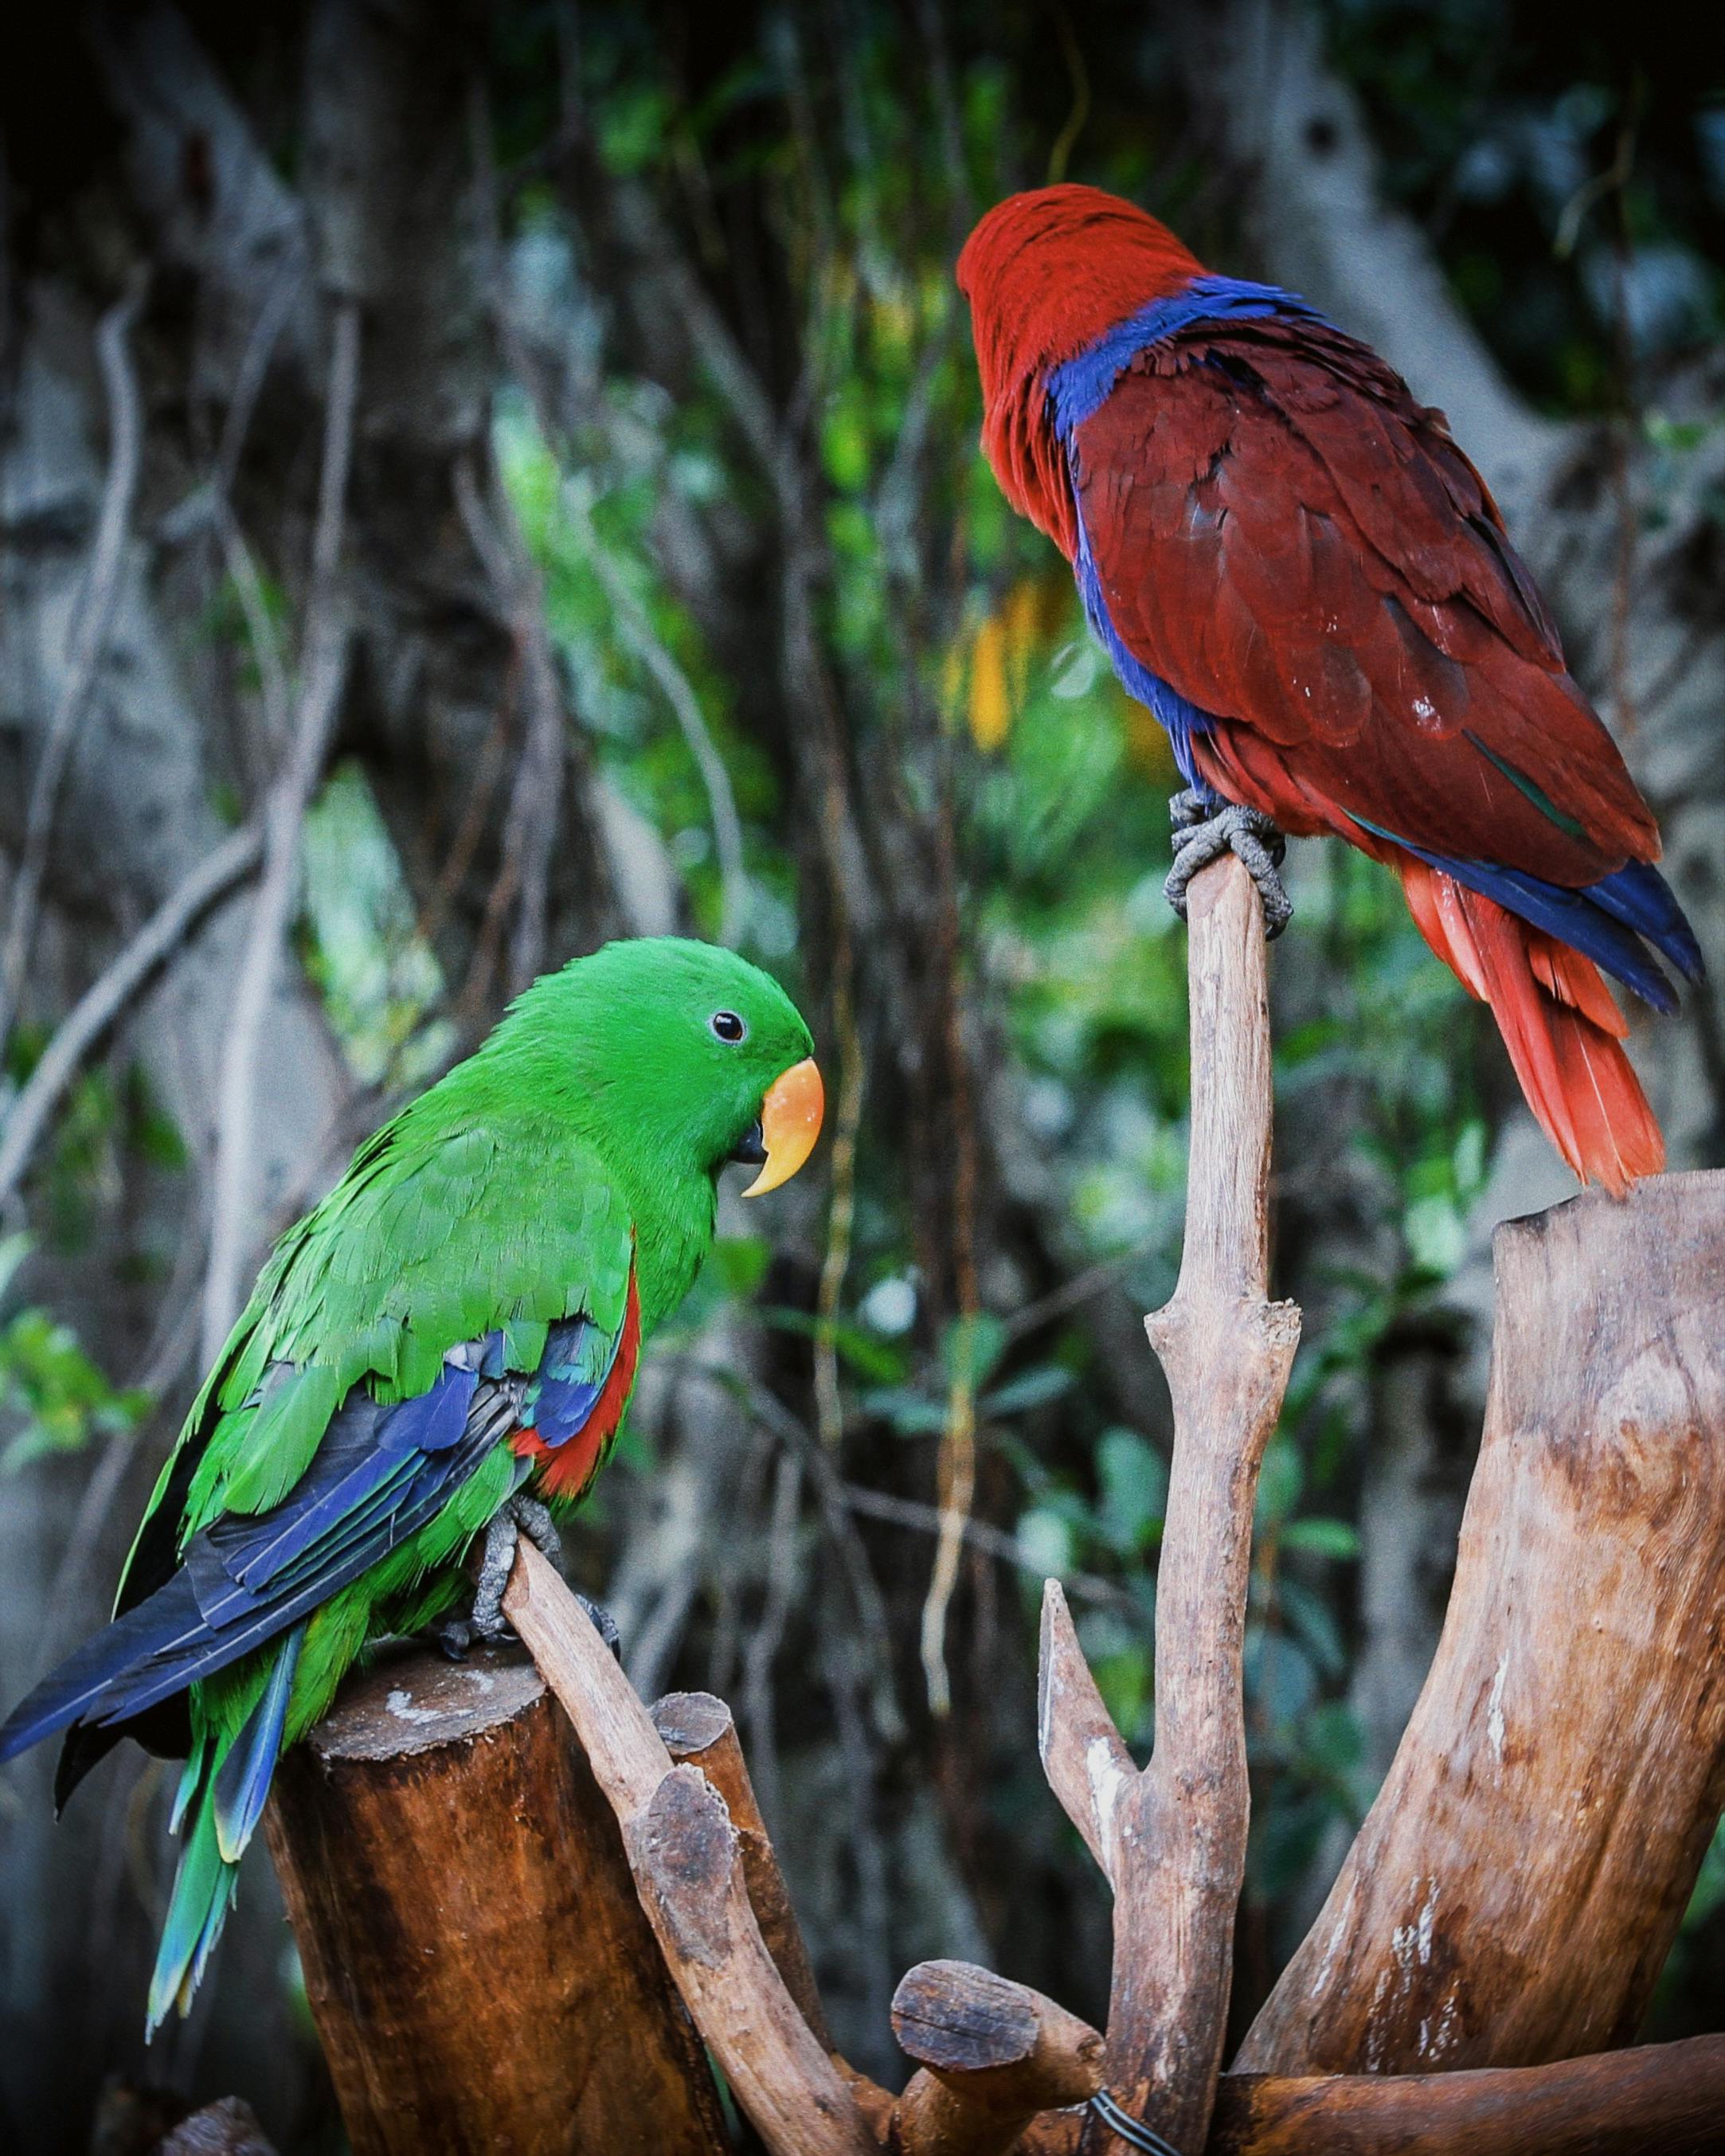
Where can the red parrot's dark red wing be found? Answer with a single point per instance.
(1292, 564)
(1288, 540)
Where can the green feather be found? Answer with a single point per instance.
(524, 1341)
(1531, 788)
(281, 1438)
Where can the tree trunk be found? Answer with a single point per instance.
(1513, 1892)
(476, 1959)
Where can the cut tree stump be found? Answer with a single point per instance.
(698, 1730)
(994, 2054)
(688, 1863)
(478, 1964)
(1514, 1890)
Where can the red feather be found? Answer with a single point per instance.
(566, 1470)
(1558, 1022)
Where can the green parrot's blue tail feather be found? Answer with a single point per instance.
(191, 1782)
(204, 1890)
(242, 1782)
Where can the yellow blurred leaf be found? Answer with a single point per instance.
(990, 709)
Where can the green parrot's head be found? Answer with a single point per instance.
(679, 1052)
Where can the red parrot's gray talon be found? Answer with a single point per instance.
(1205, 828)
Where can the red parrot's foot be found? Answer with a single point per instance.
(1204, 829)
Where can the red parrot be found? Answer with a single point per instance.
(1290, 561)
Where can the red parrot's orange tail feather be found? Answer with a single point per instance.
(1559, 1022)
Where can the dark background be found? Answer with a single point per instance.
(673, 593)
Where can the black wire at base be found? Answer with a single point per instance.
(1132, 2131)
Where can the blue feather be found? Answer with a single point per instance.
(1640, 896)
(191, 1780)
(1079, 389)
(572, 1373)
(204, 1618)
(1575, 917)
(433, 1420)
(77, 1687)
(242, 1783)
(203, 1889)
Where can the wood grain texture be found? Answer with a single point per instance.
(626, 1752)
(688, 1864)
(1660, 2100)
(697, 1731)
(1173, 1838)
(1513, 1891)
(994, 2054)
(476, 1959)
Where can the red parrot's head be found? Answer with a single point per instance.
(1046, 273)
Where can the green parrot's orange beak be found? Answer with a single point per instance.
(790, 1123)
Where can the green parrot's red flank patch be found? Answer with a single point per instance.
(566, 1470)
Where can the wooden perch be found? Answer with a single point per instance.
(697, 1731)
(1662, 2100)
(689, 1870)
(1173, 1838)
(994, 2054)
(476, 1956)
(1515, 1888)
(229, 2127)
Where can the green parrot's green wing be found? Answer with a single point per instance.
(434, 1237)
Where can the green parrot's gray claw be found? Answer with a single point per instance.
(453, 1638)
(535, 1522)
(518, 1515)
(603, 1623)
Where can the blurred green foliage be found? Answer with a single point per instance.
(53, 1397)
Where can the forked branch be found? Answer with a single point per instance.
(1172, 1840)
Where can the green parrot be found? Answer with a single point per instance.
(441, 1351)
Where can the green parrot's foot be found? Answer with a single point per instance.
(603, 1623)
(452, 1637)
(1204, 829)
(517, 1515)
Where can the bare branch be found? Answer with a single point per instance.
(699, 1731)
(688, 1865)
(1173, 1838)
(107, 996)
(323, 669)
(1087, 1763)
(1656, 2100)
(89, 639)
(674, 685)
(530, 822)
(992, 1542)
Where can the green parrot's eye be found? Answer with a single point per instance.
(728, 1026)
